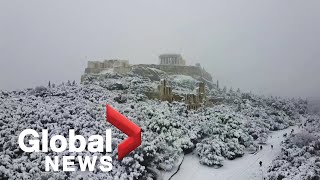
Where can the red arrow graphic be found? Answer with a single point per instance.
(127, 127)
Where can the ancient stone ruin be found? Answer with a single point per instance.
(172, 59)
(165, 91)
(172, 64)
(193, 101)
(114, 65)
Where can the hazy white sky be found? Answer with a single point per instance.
(269, 47)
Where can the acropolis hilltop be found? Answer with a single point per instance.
(172, 64)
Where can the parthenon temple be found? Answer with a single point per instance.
(172, 59)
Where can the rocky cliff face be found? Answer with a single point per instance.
(151, 73)
(193, 71)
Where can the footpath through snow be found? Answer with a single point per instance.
(244, 168)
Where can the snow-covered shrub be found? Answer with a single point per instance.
(225, 137)
(169, 130)
(303, 139)
(211, 151)
(262, 138)
(299, 157)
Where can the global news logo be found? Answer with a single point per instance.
(94, 144)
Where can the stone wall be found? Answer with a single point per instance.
(122, 70)
(165, 91)
(193, 71)
(123, 66)
(193, 101)
(119, 66)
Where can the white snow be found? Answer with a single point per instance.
(157, 70)
(244, 168)
(171, 173)
(218, 132)
(107, 71)
(183, 78)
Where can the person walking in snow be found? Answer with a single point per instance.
(260, 163)
(271, 146)
(260, 147)
(292, 131)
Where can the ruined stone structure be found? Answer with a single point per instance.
(172, 64)
(201, 91)
(118, 66)
(193, 71)
(172, 59)
(165, 91)
(193, 101)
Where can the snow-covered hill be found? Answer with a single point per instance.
(215, 133)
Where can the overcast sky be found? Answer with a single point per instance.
(270, 47)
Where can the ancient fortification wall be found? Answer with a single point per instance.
(183, 70)
(118, 66)
(172, 64)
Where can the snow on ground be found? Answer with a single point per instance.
(183, 84)
(243, 168)
(157, 70)
(168, 174)
(183, 78)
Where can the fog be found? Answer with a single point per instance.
(267, 47)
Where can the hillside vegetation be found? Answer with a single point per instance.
(216, 133)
